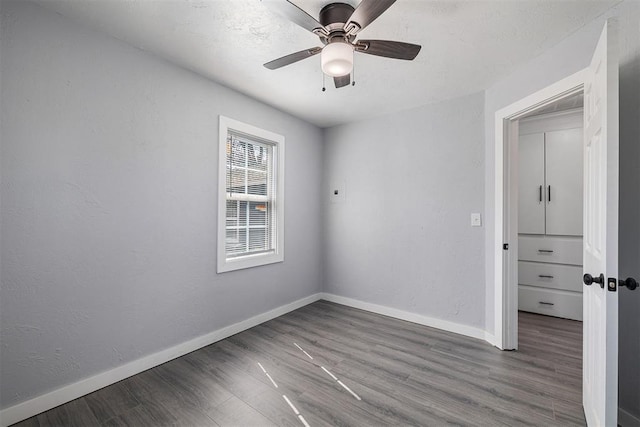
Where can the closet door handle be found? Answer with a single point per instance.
(549, 193)
(540, 194)
(545, 276)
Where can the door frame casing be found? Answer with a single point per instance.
(506, 204)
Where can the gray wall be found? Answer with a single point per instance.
(108, 221)
(629, 243)
(566, 58)
(402, 236)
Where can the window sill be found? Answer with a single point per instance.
(248, 261)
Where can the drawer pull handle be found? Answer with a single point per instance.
(546, 303)
(545, 251)
(545, 276)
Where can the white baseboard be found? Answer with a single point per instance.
(626, 419)
(490, 338)
(445, 325)
(29, 408)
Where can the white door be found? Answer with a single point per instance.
(600, 341)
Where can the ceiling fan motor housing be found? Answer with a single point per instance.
(333, 17)
(335, 13)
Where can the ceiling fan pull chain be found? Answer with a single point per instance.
(353, 73)
(324, 87)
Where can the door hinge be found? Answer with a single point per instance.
(612, 284)
(505, 246)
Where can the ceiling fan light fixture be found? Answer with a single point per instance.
(337, 59)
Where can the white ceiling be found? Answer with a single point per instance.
(466, 47)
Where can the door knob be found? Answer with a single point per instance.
(630, 283)
(589, 279)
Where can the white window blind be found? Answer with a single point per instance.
(251, 203)
(251, 196)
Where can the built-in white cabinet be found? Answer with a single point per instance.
(550, 183)
(550, 187)
(550, 275)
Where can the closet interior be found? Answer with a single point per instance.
(550, 193)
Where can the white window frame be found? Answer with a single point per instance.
(252, 260)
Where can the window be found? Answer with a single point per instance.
(250, 196)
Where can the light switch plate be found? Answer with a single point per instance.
(476, 220)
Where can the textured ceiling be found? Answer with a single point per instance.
(466, 47)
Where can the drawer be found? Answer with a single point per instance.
(551, 276)
(562, 250)
(550, 302)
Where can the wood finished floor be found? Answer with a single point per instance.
(404, 374)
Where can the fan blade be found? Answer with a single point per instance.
(291, 58)
(342, 81)
(293, 13)
(388, 49)
(367, 12)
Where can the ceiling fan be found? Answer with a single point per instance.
(337, 27)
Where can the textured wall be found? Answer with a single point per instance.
(402, 236)
(568, 57)
(108, 220)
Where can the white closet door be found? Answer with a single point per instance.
(531, 184)
(564, 182)
(600, 336)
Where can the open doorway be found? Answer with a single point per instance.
(552, 110)
(544, 212)
(550, 208)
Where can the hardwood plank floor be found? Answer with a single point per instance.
(328, 364)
